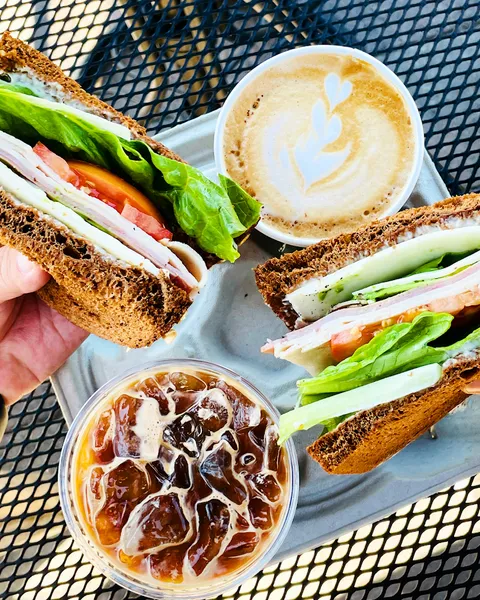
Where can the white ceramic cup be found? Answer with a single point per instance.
(274, 62)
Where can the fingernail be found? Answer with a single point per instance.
(24, 265)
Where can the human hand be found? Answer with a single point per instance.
(34, 339)
(472, 387)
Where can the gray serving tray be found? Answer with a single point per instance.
(227, 324)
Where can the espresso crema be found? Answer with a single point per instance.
(324, 141)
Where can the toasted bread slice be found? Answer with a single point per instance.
(373, 436)
(279, 276)
(121, 303)
(15, 56)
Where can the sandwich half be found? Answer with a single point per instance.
(387, 321)
(125, 228)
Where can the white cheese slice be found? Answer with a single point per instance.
(27, 193)
(314, 299)
(428, 277)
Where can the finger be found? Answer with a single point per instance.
(473, 387)
(18, 275)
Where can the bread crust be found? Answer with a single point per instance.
(96, 293)
(121, 303)
(373, 436)
(279, 276)
(15, 55)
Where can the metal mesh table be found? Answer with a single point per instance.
(164, 62)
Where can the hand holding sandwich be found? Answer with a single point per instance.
(34, 339)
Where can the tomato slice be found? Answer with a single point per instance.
(146, 222)
(110, 189)
(56, 163)
(114, 188)
(344, 344)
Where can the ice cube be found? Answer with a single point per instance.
(148, 428)
(187, 383)
(138, 428)
(217, 471)
(186, 433)
(157, 522)
(266, 485)
(167, 565)
(246, 413)
(181, 474)
(212, 410)
(162, 469)
(260, 514)
(241, 521)
(241, 544)
(272, 449)
(213, 518)
(126, 443)
(151, 388)
(103, 437)
(109, 522)
(257, 434)
(230, 438)
(247, 459)
(184, 400)
(95, 482)
(124, 486)
(133, 562)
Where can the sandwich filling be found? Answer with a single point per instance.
(393, 337)
(316, 297)
(78, 162)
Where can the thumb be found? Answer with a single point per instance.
(472, 387)
(18, 275)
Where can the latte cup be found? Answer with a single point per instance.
(328, 138)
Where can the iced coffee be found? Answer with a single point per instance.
(178, 477)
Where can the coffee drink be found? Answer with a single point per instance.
(324, 141)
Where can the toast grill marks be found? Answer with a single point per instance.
(369, 438)
(124, 304)
(279, 276)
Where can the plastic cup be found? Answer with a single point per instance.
(100, 559)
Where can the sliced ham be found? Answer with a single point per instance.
(448, 295)
(27, 163)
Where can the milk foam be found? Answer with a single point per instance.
(324, 142)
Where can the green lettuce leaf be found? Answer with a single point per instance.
(384, 290)
(441, 262)
(331, 410)
(16, 88)
(393, 350)
(388, 290)
(206, 211)
(246, 207)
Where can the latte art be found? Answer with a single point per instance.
(324, 141)
(312, 160)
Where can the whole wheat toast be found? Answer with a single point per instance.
(123, 304)
(279, 276)
(371, 437)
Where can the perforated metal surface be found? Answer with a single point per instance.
(163, 63)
